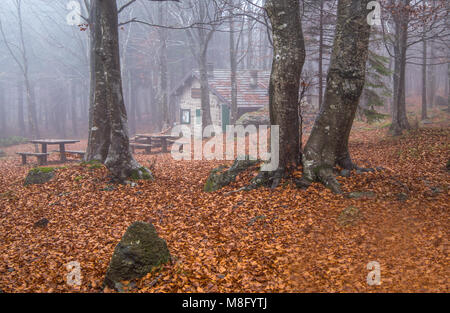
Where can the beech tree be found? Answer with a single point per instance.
(22, 61)
(288, 60)
(108, 131)
(327, 145)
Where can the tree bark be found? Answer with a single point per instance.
(2, 111)
(20, 114)
(204, 89)
(108, 133)
(163, 97)
(328, 143)
(321, 55)
(233, 67)
(399, 118)
(73, 107)
(289, 57)
(424, 79)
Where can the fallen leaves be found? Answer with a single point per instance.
(281, 240)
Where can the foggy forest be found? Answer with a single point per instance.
(224, 146)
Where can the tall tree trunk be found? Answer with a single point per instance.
(163, 93)
(133, 101)
(2, 111)
(108, 133)
(448, 81)
(432, 75)
(20, 114)
(399, 118)
(233, 67)
(31, 104)
(62, 116)
(73, 106)
(424, 78)
(204, 88)
(289, 57)
(99, 127)
(321, 55)
(328, 143)
(250, 52)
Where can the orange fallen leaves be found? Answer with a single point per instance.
(282, 240)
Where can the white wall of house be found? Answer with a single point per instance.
(194, 104)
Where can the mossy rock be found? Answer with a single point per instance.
(349, 216)
(2, 153)
(360, 194)
(39, 175)
(141, 173)
(219, 177)
(139, 251)
(93, 164)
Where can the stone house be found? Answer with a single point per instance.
(252, 91)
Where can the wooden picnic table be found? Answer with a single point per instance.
(60, 142)
(164, 138)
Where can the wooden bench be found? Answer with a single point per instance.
(78, 153)
(41, 157)
(146, 147)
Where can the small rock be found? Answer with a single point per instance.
(345, 173)
(436, 190)
(2, 153)
(138, 252)
(108, 188)
(402, 196)
(119, 287)
(254, 219)
(41, 223)
(39, 175)
(11, 269)
(349, 216)
(360, 194)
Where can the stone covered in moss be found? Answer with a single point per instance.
(139, 251)
(39, 175)
(2, 153)
(219, 177)
(360, 194)
(349, 216)
(92, 165)
(141, 173)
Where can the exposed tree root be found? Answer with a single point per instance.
(267, 179)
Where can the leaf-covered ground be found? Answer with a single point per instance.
(282, 240)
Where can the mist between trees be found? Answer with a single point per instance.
(124, 67)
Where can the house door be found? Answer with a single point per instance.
(225, 117)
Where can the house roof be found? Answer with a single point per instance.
(220, 85)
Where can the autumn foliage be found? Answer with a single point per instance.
(281, 240)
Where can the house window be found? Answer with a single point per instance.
(185, 116)
(198, 116)
(196, 93)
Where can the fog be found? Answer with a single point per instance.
(161, 43)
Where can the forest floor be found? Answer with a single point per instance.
(281, 240)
